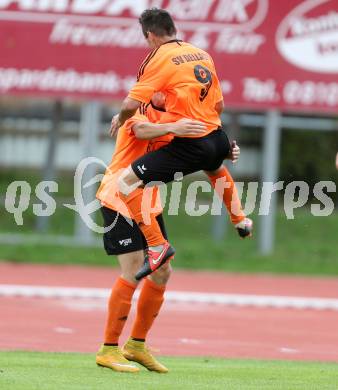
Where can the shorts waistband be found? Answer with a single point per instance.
(196, 139)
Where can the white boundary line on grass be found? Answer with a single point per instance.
(239, 300)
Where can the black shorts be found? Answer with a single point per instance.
(186, 155)
(123, 237)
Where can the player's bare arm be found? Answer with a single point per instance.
(219, 107)
(183, 127)
(128, 109)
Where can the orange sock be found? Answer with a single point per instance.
(148, 307)
(118, 309)
(228, 194)
(151, 230)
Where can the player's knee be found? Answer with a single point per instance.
(129, 276)
(130, 266)
(162, 275)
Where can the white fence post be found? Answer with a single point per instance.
(89, 130)
(49, 171)
(271, 146)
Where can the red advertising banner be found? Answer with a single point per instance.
(269, 54)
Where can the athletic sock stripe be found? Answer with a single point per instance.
(141, 340)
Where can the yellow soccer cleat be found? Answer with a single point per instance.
(112, 357)
(137, 351)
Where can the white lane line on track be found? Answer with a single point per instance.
(60, 329)
(288, 350)
(277, 302)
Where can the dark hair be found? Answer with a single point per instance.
(158, 21)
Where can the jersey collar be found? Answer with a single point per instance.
(178, 41)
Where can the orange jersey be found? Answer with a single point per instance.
(127, 149)
(187, 76)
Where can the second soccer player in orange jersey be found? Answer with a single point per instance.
(125, 240)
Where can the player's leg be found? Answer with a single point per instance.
(159, 250)
(157, 166)
(214, 167)
(150, 301)
(122, 292)
(126, 242)
(151, 297)
(119, 304)
(225, 187)
(140, 207)
(180, 155)
(149, 304)
(145, 219)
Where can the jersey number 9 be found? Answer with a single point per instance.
(203, 75)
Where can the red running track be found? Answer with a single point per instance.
(181, 329)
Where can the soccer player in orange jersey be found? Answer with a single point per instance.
(136, 137)
(126, 241)
(187, 76)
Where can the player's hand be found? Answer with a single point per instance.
(188, 127)
(235, 152)
(115, 125)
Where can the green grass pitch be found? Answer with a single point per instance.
(59, 371)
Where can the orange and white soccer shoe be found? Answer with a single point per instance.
(155, 260)
(137, 351)
(112, 357)
(245, 228)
